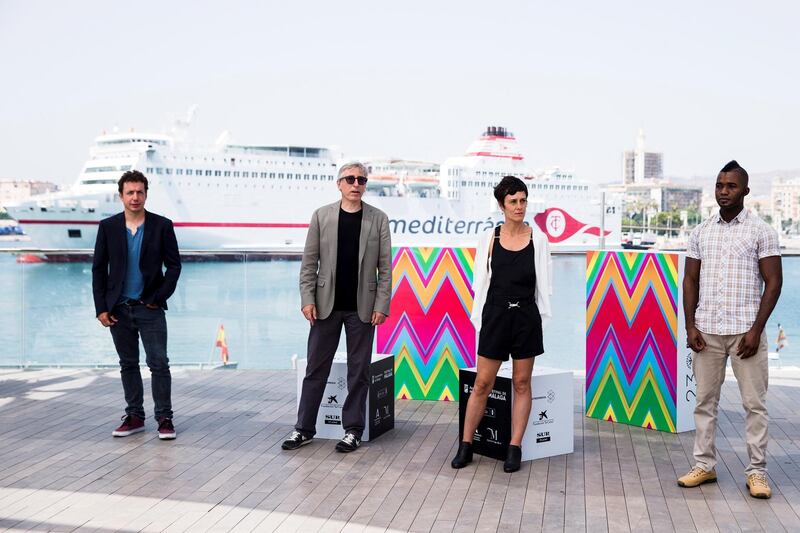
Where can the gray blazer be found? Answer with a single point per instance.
(318, 269)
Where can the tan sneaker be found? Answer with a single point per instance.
(757, 483)
(697, 476)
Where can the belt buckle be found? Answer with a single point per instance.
(512, 305)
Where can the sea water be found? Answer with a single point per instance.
(47, 314)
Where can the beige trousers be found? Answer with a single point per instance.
(752, 375)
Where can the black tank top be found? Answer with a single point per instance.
(513, 273)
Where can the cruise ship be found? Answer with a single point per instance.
(231, 196)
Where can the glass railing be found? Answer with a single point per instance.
(47, 312)
(11, 310)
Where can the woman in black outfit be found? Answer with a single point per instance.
(507, 315)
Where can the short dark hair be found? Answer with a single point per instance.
(132, 176)
(733, 166)
(509, 185)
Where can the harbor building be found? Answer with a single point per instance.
(641, 166)
(786, 199)
(18, 190)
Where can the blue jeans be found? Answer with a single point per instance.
(151, 325)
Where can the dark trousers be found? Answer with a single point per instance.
(151, 325)
(323, 339)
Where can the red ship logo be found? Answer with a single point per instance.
(560, 225)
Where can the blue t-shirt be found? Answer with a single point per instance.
(134, 281)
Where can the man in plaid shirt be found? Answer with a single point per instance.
(731, 284)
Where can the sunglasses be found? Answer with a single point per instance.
(352, 179)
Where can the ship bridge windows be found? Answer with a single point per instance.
(98, 182)
(218, 173)
(107, 168)
(132, 140)
(208, 172)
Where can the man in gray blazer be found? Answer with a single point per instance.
(345, 279)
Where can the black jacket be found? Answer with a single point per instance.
(159, 247)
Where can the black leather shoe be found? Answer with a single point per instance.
(463, 456)
(513, 459)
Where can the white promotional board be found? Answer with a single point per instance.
(380, 398)
(550, 425)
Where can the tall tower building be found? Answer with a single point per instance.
(641, 166)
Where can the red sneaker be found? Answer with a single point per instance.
(166, 431)
(130, 424)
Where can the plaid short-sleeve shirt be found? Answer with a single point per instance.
(730, 282)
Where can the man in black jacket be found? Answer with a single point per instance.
(130, 297)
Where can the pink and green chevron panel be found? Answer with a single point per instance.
(635, 371)
(428, 329)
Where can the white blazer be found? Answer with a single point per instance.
(482, 276)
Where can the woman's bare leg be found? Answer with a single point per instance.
(521, 408)
(484, 381)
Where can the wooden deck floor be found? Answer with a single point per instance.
(60, 469)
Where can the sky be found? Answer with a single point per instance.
(707, 81)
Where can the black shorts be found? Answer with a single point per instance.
(507, 329)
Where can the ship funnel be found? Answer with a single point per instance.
(497, 131)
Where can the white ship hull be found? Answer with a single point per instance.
(260, 223)
(260, 198)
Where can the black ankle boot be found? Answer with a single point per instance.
(463, 456)
(513, 458)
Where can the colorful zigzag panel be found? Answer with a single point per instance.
(631, 338)
(428, 329)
